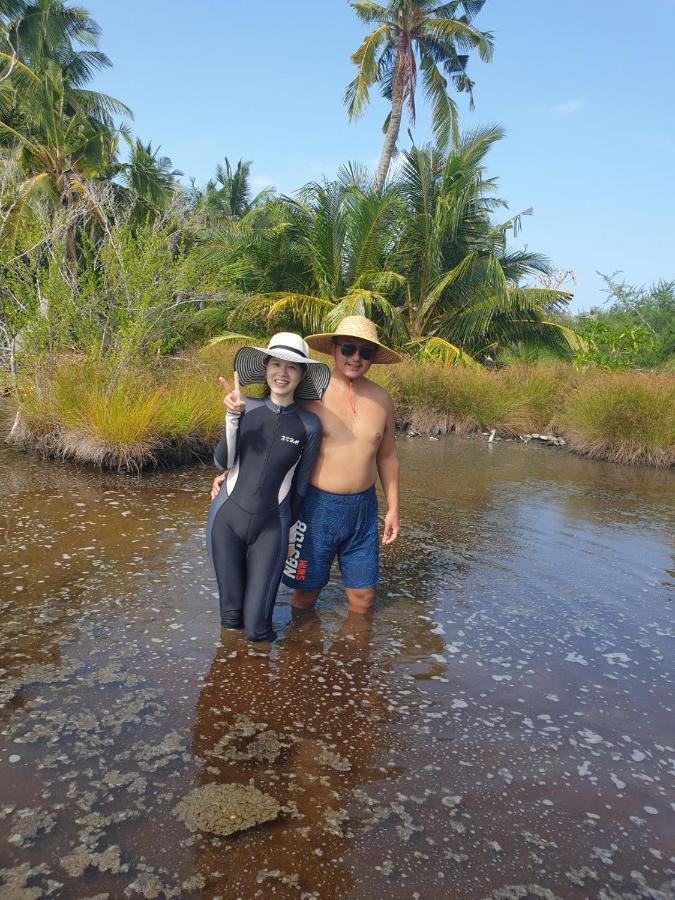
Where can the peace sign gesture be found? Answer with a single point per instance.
(233, 401)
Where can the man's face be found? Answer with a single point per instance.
(348, 359)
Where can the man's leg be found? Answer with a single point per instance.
(308, 570)
(360, 600)
(359, 555)
(304, 599)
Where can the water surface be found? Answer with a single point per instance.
(502, 727)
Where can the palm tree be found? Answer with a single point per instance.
(58, 153)
(464, 285)
(60, 133)
(46, 33)
(228, 195)
(43, 31)
(421, 257)
(336, 237)
(150, 180)
(407, 31)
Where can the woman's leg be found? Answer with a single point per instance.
(265, 563)
(229, 562)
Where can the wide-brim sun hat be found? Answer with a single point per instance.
(249, 363)
(354, 327)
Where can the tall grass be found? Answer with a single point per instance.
(174, 412)
(514, 400)
(125, 421)
(623, 417)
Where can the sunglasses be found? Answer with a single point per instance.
(366, 353)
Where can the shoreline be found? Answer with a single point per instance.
(73, 447)
(172, 414)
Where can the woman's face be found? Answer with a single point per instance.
(283, 377)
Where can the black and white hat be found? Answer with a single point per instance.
(249, 363)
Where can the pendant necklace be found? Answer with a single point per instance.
(351, 399)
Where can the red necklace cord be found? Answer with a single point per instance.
(351, 399)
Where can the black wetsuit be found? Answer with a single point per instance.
(269, 452)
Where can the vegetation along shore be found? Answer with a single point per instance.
(115, 277)
(172, 412)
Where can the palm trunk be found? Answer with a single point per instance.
(43, 302)
(71, 248)
(394, 126)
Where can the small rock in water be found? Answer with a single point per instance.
(226, 808)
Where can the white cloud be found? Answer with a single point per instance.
(570, 107)
(258, 182)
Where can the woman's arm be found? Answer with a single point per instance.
(226, 449)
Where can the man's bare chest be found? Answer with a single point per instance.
(363, 428)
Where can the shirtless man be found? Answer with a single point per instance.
(339, 514)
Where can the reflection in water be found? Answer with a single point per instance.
(305, 723)
(505, 718)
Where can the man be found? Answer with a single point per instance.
(339, 513)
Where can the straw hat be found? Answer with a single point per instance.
(354, 327)
(249, 363)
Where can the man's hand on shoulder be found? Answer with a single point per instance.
(392, 527)
(217, 482)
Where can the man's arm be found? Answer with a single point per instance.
(388, 468)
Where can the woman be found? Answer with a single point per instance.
(268, 450)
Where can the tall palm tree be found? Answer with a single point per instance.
(43, 31)
(60, 133)
(439, 36)
(49, 33)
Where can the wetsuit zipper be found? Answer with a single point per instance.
(269, 447)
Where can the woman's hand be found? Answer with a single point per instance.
(233, 402)
(217, 481)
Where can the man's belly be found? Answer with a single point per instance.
(345, 472)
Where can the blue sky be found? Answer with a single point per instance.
(584, 90)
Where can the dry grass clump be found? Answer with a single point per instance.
(626, 417)
(76, 411)
(80, 410)
(512, 401)
(538, 394)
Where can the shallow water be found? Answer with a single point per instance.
(502, 727)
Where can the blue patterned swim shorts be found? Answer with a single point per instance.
(342, 525)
